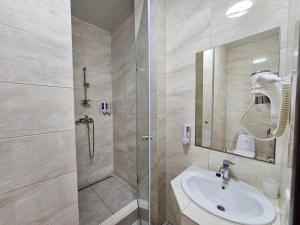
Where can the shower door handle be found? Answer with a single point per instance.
(145, 138)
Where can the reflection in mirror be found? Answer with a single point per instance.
(223, 92)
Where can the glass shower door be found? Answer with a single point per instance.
(143, 108)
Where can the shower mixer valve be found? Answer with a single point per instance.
(91, 144)
(85, 119)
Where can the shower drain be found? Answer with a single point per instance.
(221, 208)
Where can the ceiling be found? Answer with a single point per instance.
(106, 14)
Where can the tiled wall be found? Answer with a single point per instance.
(158, 110)
(287, 140)
(192, 28)
(37, 147)
(92, 49)
(124, 99)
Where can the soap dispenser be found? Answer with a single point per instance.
(186, 135)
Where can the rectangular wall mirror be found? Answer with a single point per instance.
(223, 93)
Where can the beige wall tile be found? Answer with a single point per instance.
(179, 11)
(91, 172)
(180, 158)
(173, 210)
(121, 159)
(250, 27)
(124, 98)
(36, 50)
(184, 56)
(182, 28)
(102, 164)
(53, 154)
(158, 116)
(50, 19)
(251, 171)
(77, 36)
(49, 202)
(221, 22)
(50, 62)
(96, 36)
(30, 109)
(92, 50)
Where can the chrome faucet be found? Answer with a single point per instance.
(225, 171)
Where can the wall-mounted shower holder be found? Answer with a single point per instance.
(86, 85)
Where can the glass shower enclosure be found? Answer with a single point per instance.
(143, 109)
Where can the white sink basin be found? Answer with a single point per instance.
(238, 202)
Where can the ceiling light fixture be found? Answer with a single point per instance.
(239, 9)
(260, 60)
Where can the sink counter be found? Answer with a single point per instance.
(192, 214)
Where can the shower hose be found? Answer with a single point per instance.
(283, 112)
(91, 150)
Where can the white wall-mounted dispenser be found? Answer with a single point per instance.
(186, 135)
(106, 108)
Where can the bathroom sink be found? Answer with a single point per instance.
(235, 201)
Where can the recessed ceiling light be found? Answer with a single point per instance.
(260, 60)
(239, 9)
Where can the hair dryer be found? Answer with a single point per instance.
(271, 85)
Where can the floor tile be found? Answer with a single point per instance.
(101, 200)
(138, 222)
(118, 199)
(91, 210)
(117, 180)
(106, 187)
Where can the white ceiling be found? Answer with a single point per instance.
(102, 13)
